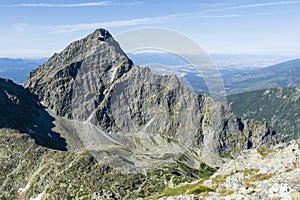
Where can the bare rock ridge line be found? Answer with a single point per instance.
(93, 80)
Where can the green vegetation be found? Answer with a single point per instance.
(176, 191)
(226, 155)
(219, 179)
(205, 171)
(196, 188)
(225, 192)
(81, 173)
(289, 169)
(260, 177)
(250, 172)
(263, 151)
(201, 189)
(169, 140)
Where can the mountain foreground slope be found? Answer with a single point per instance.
(150, 130)
(262, 173)
(21, 110)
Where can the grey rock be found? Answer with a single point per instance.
(254, 176)
(273, 175)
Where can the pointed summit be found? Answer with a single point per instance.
(97, 56)
(101, 34)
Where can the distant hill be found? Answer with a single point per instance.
(285, 74)
(279, 107)
(18, 69)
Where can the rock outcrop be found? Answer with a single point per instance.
(262, 173)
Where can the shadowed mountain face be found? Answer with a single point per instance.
(93, 82)
(20, 110)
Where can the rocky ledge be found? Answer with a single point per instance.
(263, 173)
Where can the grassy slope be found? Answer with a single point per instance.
(279, 107)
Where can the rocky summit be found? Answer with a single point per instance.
(125, 132)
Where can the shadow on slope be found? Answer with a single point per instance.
(21, 110)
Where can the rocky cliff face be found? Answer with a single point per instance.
(18, 106)
(92, 64)
(92, 80)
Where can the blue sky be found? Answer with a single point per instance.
(38, 28)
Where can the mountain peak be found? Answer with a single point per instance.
(97, 58)
(94, 45)
(101, 34)
(93, 82)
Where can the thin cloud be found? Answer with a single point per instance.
(215, 5)
(131, 22)
(88, 4)
(21, 27)
(253, 5)
(213, 16)
(160, 19)
(109, 24)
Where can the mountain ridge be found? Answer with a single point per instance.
(93, 80)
